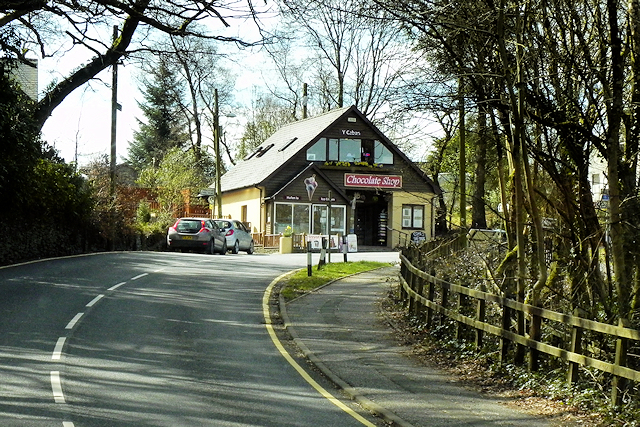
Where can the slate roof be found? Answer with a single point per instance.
(274, 153)
(253, 171)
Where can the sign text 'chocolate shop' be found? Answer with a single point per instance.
(373, 181)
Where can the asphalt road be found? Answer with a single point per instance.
(151, 339)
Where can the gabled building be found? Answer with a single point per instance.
(331, 174)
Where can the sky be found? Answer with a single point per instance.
(80, 127)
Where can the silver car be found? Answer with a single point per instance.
(238, 235)
(199, 234)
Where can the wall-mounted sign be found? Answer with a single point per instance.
(326, 199)
(351, 132)
(372, 181)
(311, 184)
(292, 197)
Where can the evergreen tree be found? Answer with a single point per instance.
(165, 126)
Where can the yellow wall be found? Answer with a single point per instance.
(232, 203)
(395, 220)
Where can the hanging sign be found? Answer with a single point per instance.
(372, 181)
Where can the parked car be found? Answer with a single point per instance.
(200, 234)
(238, 235)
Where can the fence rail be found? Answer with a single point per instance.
(419, 290)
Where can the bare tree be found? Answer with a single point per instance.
(41, 25)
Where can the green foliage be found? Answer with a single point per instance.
(165, 127)
(19, 145)
(178, 171)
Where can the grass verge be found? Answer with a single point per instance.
(300, 283)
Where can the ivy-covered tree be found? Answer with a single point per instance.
(164, 126)
(19, 143)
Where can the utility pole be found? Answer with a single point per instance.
(216, 144)
(114, 115)
(305, 100)
(112, 165)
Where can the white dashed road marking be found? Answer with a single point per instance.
(57, 351)
(56, 387)
(95, 300)
(74, 321)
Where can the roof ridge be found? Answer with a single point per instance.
(334, 111)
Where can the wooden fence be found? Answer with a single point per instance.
(429, 298)
(272, 241)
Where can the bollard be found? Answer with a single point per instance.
(345, 248)
(322, 261)
(309, 269)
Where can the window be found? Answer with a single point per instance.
(264, 150)
(303, 218)
(382, 154)
(294, 215)
(413, 216)
(350, 150)
(334, 149)
(338, 219)
(318, 152)
(288, 143)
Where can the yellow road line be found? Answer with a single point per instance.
(267, 318)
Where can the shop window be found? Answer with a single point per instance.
(383, 156)
(413, 217)
(284, 216)
(320, 219)
(294, 215)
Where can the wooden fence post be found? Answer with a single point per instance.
(412, 301)
(430, 295)
(461, 302)
(576, 347)
(535, 334)
(445, 299)
(418, 306)
(619, 384)
(481, 309)
(506, 325)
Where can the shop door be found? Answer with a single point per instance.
(371, 220)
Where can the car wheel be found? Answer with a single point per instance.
(250, 250)
(224, 248)
(236, 247)
(211, 249)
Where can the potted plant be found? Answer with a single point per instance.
(286, 241)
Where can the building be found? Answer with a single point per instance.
(26, 74)
(331, 174)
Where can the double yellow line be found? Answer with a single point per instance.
(267, 318)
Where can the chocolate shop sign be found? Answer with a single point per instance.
(372, 181)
